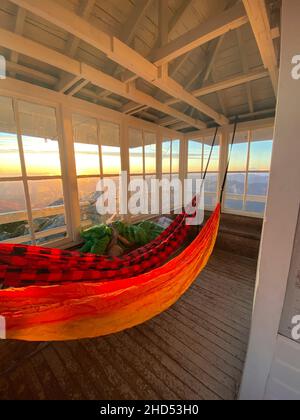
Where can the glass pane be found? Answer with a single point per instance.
(110, 146)
(12, 197)
(136, 151)
(260, 155)
(40, 140)
(87, 159)
(46, 194)
(85, 129)
(47, 197)
(13, 230)
(234, 204)
(88, 195)
(211, 183)
(210, 201)
(236, 184)
(166, 157)
(150, 159)
(51, 238)
(258, 184)
(136, 160)
(111, 160)
(49, 221)
(9, 151)
(150, 152)
(175, 155)
(194, 156)
(214, 160)
(13, 214)
(41, 156)
(255, 207)
(109, 134)
(238, 157)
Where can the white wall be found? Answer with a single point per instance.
(280, 225)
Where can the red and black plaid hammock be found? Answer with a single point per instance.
(22, 266)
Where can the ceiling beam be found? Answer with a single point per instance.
(52, 81)
(85, 10)
(231, 82)
(245, 67)
(128, 76)
(219, 86)
(17, 68)
(66, 82)
(129, 30)
(259, 20)
(203, 33)
(117, 51)
(163, 22)
(84, 71)
(179, 15)
(134, 20)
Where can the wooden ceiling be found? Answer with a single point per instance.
(184, 64)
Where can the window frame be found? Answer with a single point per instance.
(30, 213)
(65, 106)
(201, 140)
(245, 197)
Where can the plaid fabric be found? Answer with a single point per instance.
(21, 255)
(22, 268)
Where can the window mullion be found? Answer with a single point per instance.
(144, 157)
(247, 170)
(24, 171)
(100, 148)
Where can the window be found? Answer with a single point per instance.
(170, 158)
(198, 158)
(97, 155)
(248, 176)
(142, 156)
(32, 207)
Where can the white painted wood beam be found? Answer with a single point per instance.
(39, 52)
(205, 32)
(85, 9)
(259, 20)
(117, 51)
(245, 67)
(127, 34)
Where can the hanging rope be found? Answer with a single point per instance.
(229, 158)
(211, 151)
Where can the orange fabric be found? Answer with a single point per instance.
(76, 311)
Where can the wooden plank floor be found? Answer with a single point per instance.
(196, 350)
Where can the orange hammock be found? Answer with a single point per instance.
(82, 310)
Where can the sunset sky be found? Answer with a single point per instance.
(42, 157)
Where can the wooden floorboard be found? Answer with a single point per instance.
(196, 350)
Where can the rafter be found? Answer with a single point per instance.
(128, 76)
(129, 30)
(17, 68)
(259, 20)
(96, 77)
(85, 10)
(179, 15)
(245, 69)
(117, 51)
(65, 83)
(203, 33)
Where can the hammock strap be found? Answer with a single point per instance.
(229, 158)
(210, 153)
